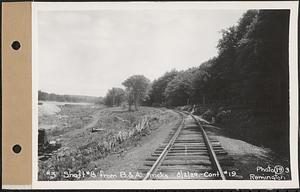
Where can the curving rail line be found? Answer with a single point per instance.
(187, 150)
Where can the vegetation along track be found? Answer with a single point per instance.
(187, 153)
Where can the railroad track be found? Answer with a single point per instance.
(187, 153)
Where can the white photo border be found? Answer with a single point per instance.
(173, 184)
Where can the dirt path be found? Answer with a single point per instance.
(96, 117)
(133, 159)
(69, 139)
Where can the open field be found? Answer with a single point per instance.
(117, 130)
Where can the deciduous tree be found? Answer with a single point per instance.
(136, 88)
(114, 97)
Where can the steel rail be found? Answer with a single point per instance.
(165, 151)
(213, 155)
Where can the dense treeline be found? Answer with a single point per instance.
(251, 67)
(250, 73)
(249, 76)
(43, 96)
(180, 88)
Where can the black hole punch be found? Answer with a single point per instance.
(17, 148)
(16, 45)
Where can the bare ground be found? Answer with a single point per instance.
(250, 161)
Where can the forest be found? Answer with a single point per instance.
(44, 96)
(249, 77)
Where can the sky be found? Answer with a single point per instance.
(89, 52)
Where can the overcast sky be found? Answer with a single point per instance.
(88, 52)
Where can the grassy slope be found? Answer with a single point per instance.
(80, 147)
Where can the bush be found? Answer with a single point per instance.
(207, 115)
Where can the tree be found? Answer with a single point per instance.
(115, 97)
(42, 96)
(158, 87)
(201, 76)
(180, 90)
(251, 70)
(136, 88)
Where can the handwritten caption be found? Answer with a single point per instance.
(277, 172)
(101, 175)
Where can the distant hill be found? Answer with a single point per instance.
(44, 96)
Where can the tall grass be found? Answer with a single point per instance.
(80, 158)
